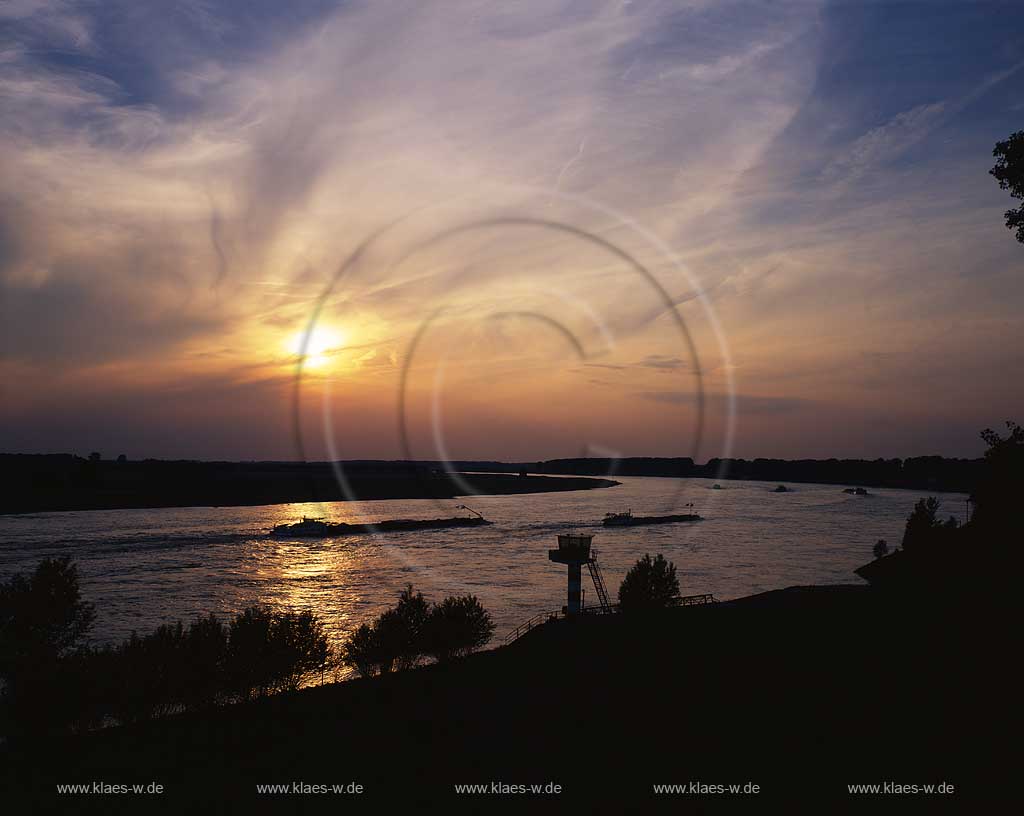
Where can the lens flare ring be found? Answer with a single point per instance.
(351, 263)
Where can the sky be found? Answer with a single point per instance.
(255, 230)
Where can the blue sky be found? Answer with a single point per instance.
(807, 181)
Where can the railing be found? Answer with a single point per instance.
(695, 600)
(544, 617)
(598, 579)
(532, 623)
(686, 600)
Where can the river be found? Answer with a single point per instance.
(145, 567)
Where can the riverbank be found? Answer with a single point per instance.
(800, 692)
(935, 474)
(35, 484)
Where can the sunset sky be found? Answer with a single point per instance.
(535, 191)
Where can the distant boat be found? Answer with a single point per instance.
(307, 528)
(782, 489)
(857, 491)
(317, 528)
(627, 519)
(716, 487)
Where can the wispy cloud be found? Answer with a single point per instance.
(746, 405)
(663, 362)
(885, 142)
(891, 140)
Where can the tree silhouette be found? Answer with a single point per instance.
(1009, 172)
(406, 625)
(402, 636)
(364, 651)
(649, 584)
(43, 621)
(457, 626)
(921, 524)
(995, 497)
(394, 641)
(924, 526)
(43, 615)
(976, 557)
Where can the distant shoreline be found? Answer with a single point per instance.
(69, 484)
(32, 483)
(934, 474)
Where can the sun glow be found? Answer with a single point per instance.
(323, 344)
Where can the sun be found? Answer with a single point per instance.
(324, 343)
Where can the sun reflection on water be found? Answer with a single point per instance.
(143, 568)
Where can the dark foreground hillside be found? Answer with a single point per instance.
(800, 692)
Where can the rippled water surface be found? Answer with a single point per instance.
(145, 567)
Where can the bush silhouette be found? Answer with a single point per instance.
(87, 683)
(209, 663)
(204, 655)
(150, 674)
(298, 649)
(248, 653)
(52, 681)
(457, 626)
(174, 669)
(649, 584)
(168, 670)
(273, 651)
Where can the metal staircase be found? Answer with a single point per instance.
(595, 573)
